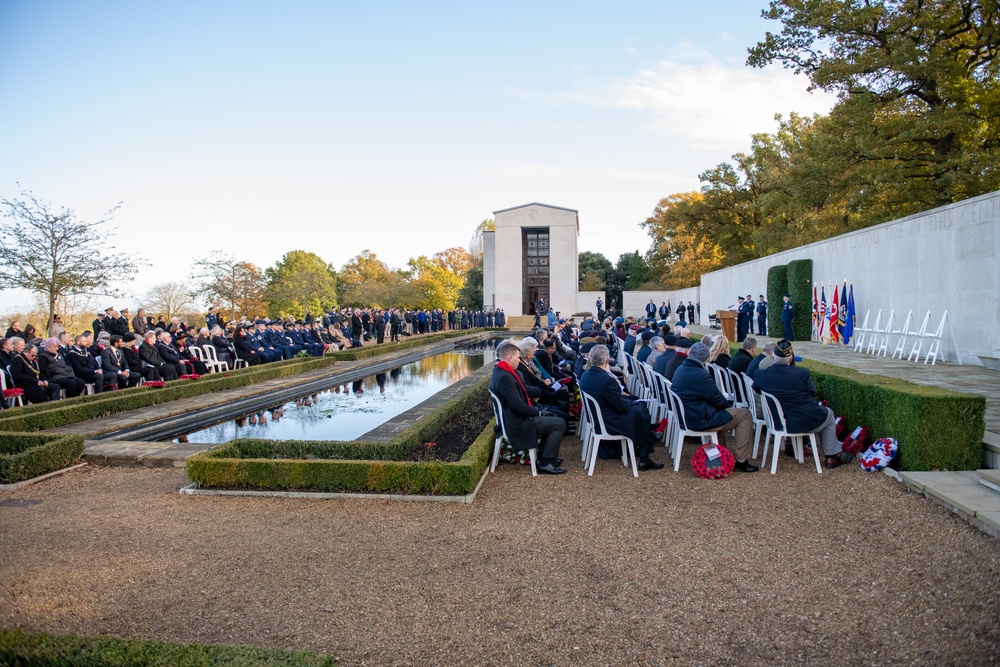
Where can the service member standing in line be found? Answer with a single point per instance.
(762, 317)
(787, 313)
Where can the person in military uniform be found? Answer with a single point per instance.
(690, 310)
(752, 307)
(762, 316)
(742, 319)
(787, 313)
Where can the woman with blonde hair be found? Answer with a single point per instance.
(718, 354)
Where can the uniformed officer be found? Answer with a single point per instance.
(786, 316)
(742, 319)
(762, 316)
(752, 307)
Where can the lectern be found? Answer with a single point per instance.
(727, 318)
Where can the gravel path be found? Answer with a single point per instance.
(840, 569)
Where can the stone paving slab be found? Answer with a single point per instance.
(960, 492)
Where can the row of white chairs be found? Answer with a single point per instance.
(875, 337)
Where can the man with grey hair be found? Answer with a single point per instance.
(657, 347)
(759, 361)
(792, 387)
(524, 422)
(623, 415)
(706, 409)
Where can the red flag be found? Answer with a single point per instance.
(834, 318)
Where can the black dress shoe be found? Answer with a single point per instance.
(649, 465)
(550, 469)
(557, 461)
(745, 466)
(833, 462)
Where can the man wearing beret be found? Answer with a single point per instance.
(643, 352)
(706, 409)
(795, 392)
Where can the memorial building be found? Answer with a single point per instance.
(531, 258)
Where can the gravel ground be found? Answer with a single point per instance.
(845, 568)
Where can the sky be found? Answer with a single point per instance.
(256, 128)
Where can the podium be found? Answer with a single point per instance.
(727, 319)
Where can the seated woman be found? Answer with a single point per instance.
(224, 350)
(555, 402)
(28, 376)
(623, 415)
(718, 353)
(193, 363)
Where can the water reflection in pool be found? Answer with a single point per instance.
(347, 411)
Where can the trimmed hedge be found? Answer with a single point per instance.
(41, 649)
(27, 455)
(800, 275)
(777, 282)
(936, 429)
(41, 416)
(366, 467)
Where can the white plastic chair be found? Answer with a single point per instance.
(498, 443)
(210, 358)
(759, 423)
(599, 432)
(681, 430)
(735, 383)
(14, 400)
(777, 428)
(721, 380)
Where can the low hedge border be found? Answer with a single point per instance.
(60, 413)
(21, 648)
(366, 467)
(27, 455)
(937, 429)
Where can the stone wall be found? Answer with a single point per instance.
(635, 302)
(942, 259)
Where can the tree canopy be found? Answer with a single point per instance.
(231, 284)
(56, 255)
(301, 282)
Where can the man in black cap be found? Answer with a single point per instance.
(643, 352)
(761, 316)
(668, 355)
(795, 392)
(742, 319)
(787, 313)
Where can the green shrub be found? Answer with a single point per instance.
(27, 455)
(43, 650)
(800, 277)
(777, 285)
(936, 429)
(369, 351)
(331, 466)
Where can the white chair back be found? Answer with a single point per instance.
(599, 432)
(498, 442)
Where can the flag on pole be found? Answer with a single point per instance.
(824, 324)
(834, 317)
(842, 316)
(815, 326)
(849, 327)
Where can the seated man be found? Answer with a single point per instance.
(57, 371)
(113, 363)
(523, 421)
(170, 355)
(762, 361)
(706, 409)
(27, 375)
(741, 360)
(645, 349)
(680, 354)
(622, 414)
(796, 394)
(668, 355)
(88, 368)
(657, 347)
(151, 356)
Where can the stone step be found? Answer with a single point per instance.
(990, 479)
(520, 322)
(962, 493)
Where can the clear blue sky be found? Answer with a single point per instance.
(259, 128)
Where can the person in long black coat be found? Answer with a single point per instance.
(623, 415)
(523, 421)
(57, 371)
(357, 328)
(135, 363)
(113, 362)
(244, 349)
(27, 375)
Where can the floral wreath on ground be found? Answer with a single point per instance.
(723, 468)
(508, 454)
(878, 456)
(156, 384)
(190, 376)
(857, 441)
(13, 393)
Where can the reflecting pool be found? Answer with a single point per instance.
(345, 412)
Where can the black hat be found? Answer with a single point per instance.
(783, 348)
(684, 342)
(587, 347)
(762, 296)
(647, 335)
(741, 298)
(128, 337)
(670, 339)
(787, 294)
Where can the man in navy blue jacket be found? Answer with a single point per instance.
(706, 409)
(622, 414)
(796, 394)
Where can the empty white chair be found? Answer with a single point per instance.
(903, 333)
(887, 333)
(498, 443)
(778, 429)
(735, 383)
(759, 423)
(681, 430)
(918, 344)
(14, 400)
(210, 358)
(875, 331)
(859, 335)
(599, 432)
(721, 380)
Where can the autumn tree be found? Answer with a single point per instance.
(56, 255)
(168, 299)
(367, 281)
(234, 285)
(681, 251)
(300, 282)
(919, 104)
(595, 271)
